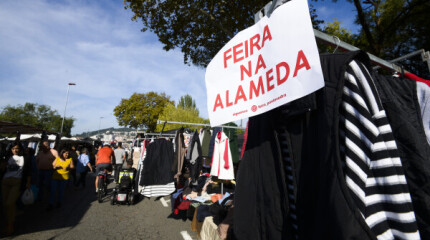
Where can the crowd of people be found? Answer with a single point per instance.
(48, 173)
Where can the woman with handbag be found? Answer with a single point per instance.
(16, 178)
(62, 166)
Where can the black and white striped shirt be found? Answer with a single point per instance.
(373, 169)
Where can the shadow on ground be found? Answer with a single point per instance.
(36, 217)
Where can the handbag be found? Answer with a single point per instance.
(27, 197)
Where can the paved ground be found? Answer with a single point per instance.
(82, 217)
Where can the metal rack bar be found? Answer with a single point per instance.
(158, 134)
(348, 47)
(409, 55)
(196, 124)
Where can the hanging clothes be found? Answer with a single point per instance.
(140, 165)
(157, 169)
(212, 141)
(234, 148)
(416, 78)
(245, 138)
(222, 162)
(201, 135)
(158, 190)
(195, 157)
(178, 161)
(423, 95)
(136, 156)
(373, 169)
(326, 205)
(400, 98)
(187, 139)
(206, 140)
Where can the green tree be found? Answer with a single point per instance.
(141, 110)
(392, 28)
(41, 116)
(199, 28)
(179, 114)
(187, 102)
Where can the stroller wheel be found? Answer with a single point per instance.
(130, 198)
(112, 199)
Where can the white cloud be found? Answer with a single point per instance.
(46, 44)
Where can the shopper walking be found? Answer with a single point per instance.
(83, 165)
(62, 166)
(44, 160)
(17, 177)
(73, 154)
(119, 160)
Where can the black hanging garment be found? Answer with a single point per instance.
(212, 141)
(206, 139)
(158, 164)
(292, 179)
(195, 157)
(399, 98)
(178, 160)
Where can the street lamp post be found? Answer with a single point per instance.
(67, 99)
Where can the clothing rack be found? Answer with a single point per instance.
(197, 124)
(425, 56)
(335, 41)
(160, 134)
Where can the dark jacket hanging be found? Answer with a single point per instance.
(206, 141)
(158, 163)
(195, 158)
(400, 102)
(179, 154)
(325, 207)
(212, 141)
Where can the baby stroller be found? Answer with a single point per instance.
(123, 193)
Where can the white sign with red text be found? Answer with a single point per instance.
(264, 66)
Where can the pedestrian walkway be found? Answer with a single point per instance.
(82, 217)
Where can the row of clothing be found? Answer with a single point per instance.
(200, 145)
(162, 162)
(349, 161)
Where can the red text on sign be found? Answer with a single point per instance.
(281, 72)
(245, 49)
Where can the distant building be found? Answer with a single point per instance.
(114, 135)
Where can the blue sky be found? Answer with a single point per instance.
(45, 44)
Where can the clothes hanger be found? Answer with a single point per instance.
(337, 44)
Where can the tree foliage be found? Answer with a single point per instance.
(141, 110)
(199, 28)
(179, 114)
(40, 116)
(187, 102)
(389, 28)
(394, 28)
